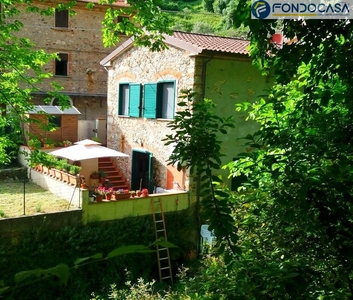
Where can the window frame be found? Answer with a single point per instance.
(61, 18)
(130, 107)
(120, 19)
(61, 64)
(53, 119)
(153, 100)
(161, 100)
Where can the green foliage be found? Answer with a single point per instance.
(294, 212)
(208, 5)
(34, 143)
(63, 165)
(84, 252)
(75, 170)
(205, 17)
(196, 132)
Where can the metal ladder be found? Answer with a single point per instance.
(163, 258)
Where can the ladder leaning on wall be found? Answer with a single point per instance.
(163, 258)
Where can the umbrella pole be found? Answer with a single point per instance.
(72, 196)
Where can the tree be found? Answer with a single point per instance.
(21, 64)
(196, 130)
(294, 212)
(295, 209)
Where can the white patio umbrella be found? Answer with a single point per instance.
(86, 149)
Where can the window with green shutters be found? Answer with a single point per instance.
(159, 100)
(129, 102)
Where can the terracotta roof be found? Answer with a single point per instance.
(213, 43)
(194, 43)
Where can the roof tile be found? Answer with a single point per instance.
(214, 43)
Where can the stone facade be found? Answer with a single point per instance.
(139, 65)
(86, 81)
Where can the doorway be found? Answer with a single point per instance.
(141, 172)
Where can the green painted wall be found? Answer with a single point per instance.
(138, 206)
(229, 82)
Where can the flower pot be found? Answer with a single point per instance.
(58, 174)
(45, 170)
(122, 196)
(108, 196)
(65, 177)
(52, 172)
(40, 168)
(99, 198)
(72, 179)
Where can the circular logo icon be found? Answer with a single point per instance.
(260, 9)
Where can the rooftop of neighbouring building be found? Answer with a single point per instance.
(213, 42)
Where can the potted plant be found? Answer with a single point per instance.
(65, 167)
(37, 159)
(121, 194)
(102, 176)
(83, 182)
(94, 175)
(91, 195)
(73, 172)
(99, 193)
(59, 168)
(144, 193)
(34, 144)
(48, 144)
(109, 193)
(132, 194)
(52, 163)
(67, 143)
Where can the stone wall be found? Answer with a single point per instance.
(51, 221)
(86, 82)
(139, 65)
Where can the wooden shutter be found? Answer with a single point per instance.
(150, 100)
(135, 100)
(62, 18)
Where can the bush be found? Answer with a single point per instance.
(42, 248)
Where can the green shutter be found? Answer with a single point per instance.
(150, 100)
(135, 100)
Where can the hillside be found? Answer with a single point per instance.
(203, 16)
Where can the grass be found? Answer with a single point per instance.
(37, 200)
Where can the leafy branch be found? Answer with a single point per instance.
(195, 137)
(63, 271)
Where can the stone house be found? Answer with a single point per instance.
(143, 91)
(78, 41)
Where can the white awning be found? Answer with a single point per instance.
(86, 149)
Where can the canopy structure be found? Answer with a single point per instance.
(86, 149)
